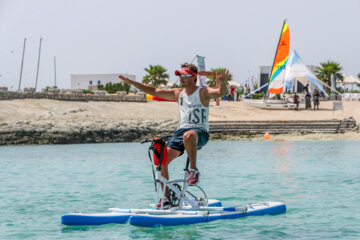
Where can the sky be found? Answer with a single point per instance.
(118, 36)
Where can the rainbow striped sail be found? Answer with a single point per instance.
(277, 77)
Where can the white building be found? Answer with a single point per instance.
(89, 81)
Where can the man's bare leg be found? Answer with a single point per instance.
(171, 155)
(190, 139)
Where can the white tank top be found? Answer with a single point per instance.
(192, 113)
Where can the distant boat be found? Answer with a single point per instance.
(284, 71)
(277, 77)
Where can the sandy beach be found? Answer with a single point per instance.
(65, 115)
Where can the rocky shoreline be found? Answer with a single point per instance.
(28, 133)
(45, 121)
(124, 131)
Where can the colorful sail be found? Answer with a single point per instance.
(276, 82)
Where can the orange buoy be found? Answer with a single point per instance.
(267, 136)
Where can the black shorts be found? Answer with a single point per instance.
(176, 142)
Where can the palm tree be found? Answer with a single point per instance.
(327, 70)
(212, 80)
(156, 76)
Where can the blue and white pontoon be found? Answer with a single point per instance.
(185, 207)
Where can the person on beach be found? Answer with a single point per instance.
(296, 101)
(307, 101)
(232, 93)
(193, 127)
(316, 99)
(306, 89)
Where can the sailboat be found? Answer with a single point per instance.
(277, 76)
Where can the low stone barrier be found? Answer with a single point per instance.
(25, 133)
(75, 96)
(278, 127)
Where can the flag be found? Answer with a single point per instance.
(201, 67)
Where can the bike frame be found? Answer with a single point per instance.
(170, 184)
(160, 191)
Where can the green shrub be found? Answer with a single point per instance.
(46, 90)
(176, 85)
(257, 96)
(86, 91)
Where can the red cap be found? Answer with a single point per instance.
(185, 71)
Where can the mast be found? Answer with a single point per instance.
(38, 65)
(22, 64)
(55, 69)
(277, 49)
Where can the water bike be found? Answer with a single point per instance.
(185, 207)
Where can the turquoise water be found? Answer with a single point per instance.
(319, 182)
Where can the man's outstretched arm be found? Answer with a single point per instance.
(169, 94)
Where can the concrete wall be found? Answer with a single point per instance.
(83, 81)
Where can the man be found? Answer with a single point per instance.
(232, 93)
(306, 89)
(296, 101)
(193, 128)
(316, 99)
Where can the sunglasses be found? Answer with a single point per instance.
(185, 75)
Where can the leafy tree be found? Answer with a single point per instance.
(156, 76)
(212, 80)
(327, 70)
(126, 88)
(175, 85)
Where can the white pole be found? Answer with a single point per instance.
(22, 64)
(37, 72)
(55, 69)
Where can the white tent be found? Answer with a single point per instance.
(233, 83)
(349, 80)
(168, 85)
(297, 70)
